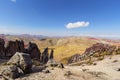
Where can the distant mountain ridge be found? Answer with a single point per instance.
(24, 35)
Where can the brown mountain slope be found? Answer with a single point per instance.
(63, 47)
(66, 47)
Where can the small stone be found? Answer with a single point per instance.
(45, 71)
(118, 69)
(84, 70)
(68, 73)
(60, 65)
(94, 63)
(52, 63)
(115, 61)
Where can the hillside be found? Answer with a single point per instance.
(63, 47)
(66, 47)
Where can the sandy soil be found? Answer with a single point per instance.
(59, 74)
(109, 66)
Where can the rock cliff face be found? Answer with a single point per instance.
(96, 50)
(14, 46)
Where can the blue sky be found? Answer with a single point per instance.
(60, 17)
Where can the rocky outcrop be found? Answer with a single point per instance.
(33, 51)
(14, 46)
(22, 60)
(98, 49)
(2, 48)
(74, 58)
(51, 54)
(9, 48)
(45, 56)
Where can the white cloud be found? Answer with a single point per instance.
(13, 1)
(77, 24)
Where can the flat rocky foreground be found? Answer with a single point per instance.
(107, 69)
(68, 73)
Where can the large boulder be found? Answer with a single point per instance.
(22, 60)
(12, 71)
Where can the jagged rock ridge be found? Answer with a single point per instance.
(96, 50)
